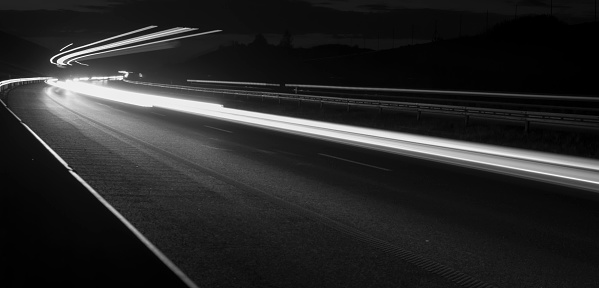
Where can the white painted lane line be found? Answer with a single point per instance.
(288, 153)
(355, 162)
(217, 129)
(158, 114)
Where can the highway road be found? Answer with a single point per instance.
(239, 206)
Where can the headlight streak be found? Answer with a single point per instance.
(65, 47)
(101, 41)
(132, 98)
(64, 60)
(125, 51)
(580, 173)
(145, 44)
(82, 64)
(126, 46)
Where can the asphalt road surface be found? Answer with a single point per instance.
(237, 206)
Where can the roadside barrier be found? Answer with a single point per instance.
(60, 230)
(468, 112)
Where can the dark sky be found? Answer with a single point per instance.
(57, 23)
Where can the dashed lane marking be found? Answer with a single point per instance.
(162, 115)
(355, 162)
(217, 129)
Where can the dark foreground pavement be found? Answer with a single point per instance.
(254, 208)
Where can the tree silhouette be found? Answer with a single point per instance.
(286, 40)
(259, 41)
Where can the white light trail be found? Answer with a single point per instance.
(580, 173)
(125, 51)
(65, 47)
(165, 33)
(122, 47)
(101, 41)
(132, 98)
(145, 44)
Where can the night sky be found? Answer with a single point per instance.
(371, 24)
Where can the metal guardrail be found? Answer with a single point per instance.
(468, 112)
(446, 92)
(11, 83)
(234, 83)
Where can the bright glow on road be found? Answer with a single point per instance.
(569, 171)
(132, 98)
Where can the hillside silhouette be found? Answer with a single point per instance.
(527, 54)
(22, 58)
(260, 61)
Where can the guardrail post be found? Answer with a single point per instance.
(418, 115)
(348, 107)
(466, 117)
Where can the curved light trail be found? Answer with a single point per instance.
(133, 45)
(101, 41)
(563, 170)
(115, 51)
(65, 47)
(65, 60)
